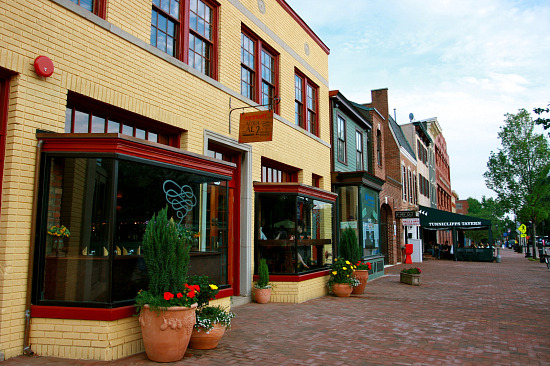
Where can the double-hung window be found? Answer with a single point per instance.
(359, 150)
(341, 147)
(98, 7)
(259, 70)
(187, 30)
(306, 103)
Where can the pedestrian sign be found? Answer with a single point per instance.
(523, 235)
(522, 228)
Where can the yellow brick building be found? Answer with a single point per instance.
(144, 92)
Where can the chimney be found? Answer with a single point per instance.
(380, 101)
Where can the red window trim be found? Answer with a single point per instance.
(182, 34)
(307, 82)
(259, 45)
(135, 147)
(67, 312)
(295, 188)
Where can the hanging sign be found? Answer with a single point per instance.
(411, 222)
(406, 214)
(256, 126)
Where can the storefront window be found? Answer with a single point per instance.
(348, 205)
(370, 219)
(293, 233)
(105, 203)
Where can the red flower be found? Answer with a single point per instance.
(168, 295)
(196, 288)
(179, 295)
(191, 294)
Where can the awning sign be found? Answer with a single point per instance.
(411, 222)
(256, 126)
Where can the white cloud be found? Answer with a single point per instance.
(465, 62)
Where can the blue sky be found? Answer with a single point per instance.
(465, 62)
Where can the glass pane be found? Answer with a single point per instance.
(200, 26)
(171, 28)
(68, 120)
(113, 127)
(193, 20)
(165, 5)
(77, 266)
(161, 41)
(170, 45)
(156, 2)
(81, 121)
(98, 124)
(175, 9)
(154, 20)
(152, 137)
(140, 133)
(128, 130)
(153, 36)
(162, 23)
(87, 4)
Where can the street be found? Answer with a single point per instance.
(464, 313)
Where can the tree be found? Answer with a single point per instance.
(544, 122)
(489, 209)
(516, 168)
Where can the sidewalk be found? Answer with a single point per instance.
(464, 313)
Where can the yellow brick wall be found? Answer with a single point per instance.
(298, 292)
(95, 62)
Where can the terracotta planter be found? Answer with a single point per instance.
(262, 295)
(200, 339)
(166, 334)
(341, 289)
(363, 276)
(410, 279)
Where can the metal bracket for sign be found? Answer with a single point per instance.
(276, 100)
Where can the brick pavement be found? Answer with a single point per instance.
(464, 313)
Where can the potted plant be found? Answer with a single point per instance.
(58, 232)
(211, 321)
(361, 273)
(167, 307)
(341, 280)
(349, 246)
(262, 288)
(410, 276)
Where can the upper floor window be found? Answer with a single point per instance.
(404, 182)
(97, 7)
(275, 172)
(379, 147)
(316, 180)
(259, 71)
(188, 34)
(306, 103)
(359, 150)
(341, 145)
(84, 115)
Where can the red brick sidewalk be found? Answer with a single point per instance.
(464, 313)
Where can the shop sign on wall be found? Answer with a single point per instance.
(256, 127)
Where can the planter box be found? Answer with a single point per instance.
(410, 279)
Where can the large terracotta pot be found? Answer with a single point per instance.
(363, 276)
(166, 333)
(341, 289)
(200, 339)
(262, 295)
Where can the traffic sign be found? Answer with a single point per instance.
(522, 228)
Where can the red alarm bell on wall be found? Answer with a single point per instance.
(43, 66)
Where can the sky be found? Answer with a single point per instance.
(466, 62)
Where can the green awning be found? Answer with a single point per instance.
(434, 219)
